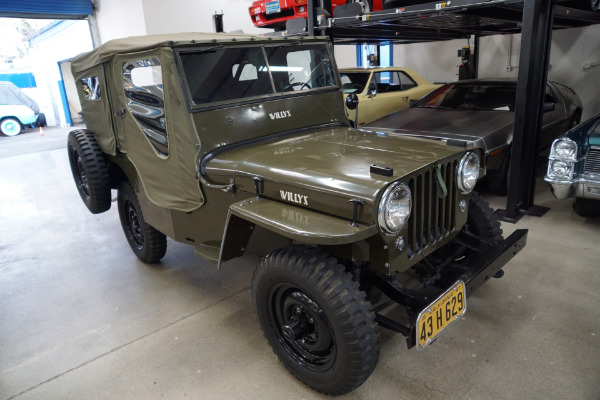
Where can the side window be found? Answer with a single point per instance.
(142, 81)
(385, 81)
(406, 81)
(91, 88)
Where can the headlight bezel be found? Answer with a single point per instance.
(556, 154)
(474, 171)
(383, 208)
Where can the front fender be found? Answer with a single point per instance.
(287, 220)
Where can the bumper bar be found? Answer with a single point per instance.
(487, 263)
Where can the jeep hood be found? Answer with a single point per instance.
(327, 167)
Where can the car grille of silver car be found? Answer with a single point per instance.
(434, 214)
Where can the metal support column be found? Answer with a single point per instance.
(310, 8)
(536, 37)
(476, 56)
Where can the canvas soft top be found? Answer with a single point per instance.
(132, 44)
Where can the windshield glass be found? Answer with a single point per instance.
(224, 74)
(354, 82)
(492, 97)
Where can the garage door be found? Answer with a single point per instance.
(50, 9)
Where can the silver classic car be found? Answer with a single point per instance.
(481, 112)
(574, 167)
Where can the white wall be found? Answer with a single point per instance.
(118, 18)
(196, 16)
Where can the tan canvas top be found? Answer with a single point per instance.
(132, 44)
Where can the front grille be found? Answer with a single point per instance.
(592, 162)
(433, 215)
(287, 12)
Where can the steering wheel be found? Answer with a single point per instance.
(291, 85)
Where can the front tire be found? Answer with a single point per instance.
(10, 127)
(482, 221)
(586, 207)
(316, 319)
(148, 244)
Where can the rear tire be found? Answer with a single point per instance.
(90, 170)
(148, 244)
(316, 319)
(586, 207)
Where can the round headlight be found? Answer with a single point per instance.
(564, 149)
(560, 169)
(468, 172)
(394, 208)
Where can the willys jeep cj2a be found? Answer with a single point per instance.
(210, 139)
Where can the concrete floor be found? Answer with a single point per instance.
(82, 318)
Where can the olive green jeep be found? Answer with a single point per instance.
(218, 140)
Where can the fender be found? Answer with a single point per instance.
(295, 223)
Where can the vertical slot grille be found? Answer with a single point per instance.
(592, 162)
(433, 214)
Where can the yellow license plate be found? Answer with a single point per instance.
(440, 314)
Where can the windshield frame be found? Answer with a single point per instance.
(274, 95)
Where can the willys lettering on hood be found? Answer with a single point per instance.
(280, 114)
(334, 160)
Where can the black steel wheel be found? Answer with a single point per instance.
(586, 207)
(148, 244)
(90, 170)
(316, 319)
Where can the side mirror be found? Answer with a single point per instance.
(548, 106)
(352, 101)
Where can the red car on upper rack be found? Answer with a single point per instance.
(275, 13)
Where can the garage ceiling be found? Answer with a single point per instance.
(46, 9)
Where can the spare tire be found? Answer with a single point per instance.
(90, 170)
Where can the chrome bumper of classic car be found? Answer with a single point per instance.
(584, 187)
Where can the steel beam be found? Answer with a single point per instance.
(531, 84)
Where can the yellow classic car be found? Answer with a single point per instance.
(382, 90)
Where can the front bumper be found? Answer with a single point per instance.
(583, 187)
(485, 264)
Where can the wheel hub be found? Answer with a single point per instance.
(134, 224)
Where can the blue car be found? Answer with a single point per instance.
(574, 167)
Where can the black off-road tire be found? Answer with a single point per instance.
(482, 221)
(90, 170)
(586, 207)
(148, 244)
(316, 319)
